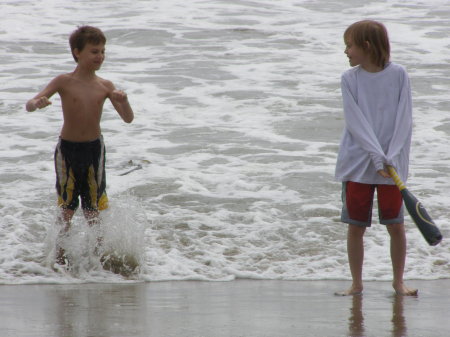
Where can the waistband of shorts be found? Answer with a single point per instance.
(65, 142)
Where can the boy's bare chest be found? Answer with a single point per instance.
(83, 93)
(81, 97)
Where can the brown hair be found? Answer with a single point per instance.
(83, 35)
(375, 34)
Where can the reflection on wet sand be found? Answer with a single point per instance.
(356, 319)
(247, 308)
(398, 318)
(99, 310)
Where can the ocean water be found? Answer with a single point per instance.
(227, 170)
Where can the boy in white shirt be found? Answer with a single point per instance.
(378, 125)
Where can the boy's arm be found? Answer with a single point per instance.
(119, 100)
(403, 121)
(41, 100)
(360, 128)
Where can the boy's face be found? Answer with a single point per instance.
(91, 57)
(355, 54)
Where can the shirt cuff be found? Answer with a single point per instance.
(377, 162)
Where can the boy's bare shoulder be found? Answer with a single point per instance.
(62, 79)
(106, 83)
(57, 84)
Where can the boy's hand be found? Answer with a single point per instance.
(119, 96)
(119, 99)
(384, 173)
(38, 103)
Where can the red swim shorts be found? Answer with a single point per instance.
(357, 201)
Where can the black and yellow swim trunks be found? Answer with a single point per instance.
(80, 174)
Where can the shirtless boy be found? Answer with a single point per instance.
(80, 152)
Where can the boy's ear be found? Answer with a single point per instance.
(367, 45)
(76, 53)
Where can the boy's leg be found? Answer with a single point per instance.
(96, 181)
(94, 200)
(64, 221)
(398, 257)
(355, 251)
(391, 214)
(67, 194)
(93, 182)
(93, 219)
(65, 218)
(357, 212)
(92, 216)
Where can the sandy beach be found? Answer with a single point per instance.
(246, 308)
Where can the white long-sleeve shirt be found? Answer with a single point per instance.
(378, 124)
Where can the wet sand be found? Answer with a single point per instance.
(244, 308)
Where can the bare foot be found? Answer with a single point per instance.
(350, 292)
(405, 291)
